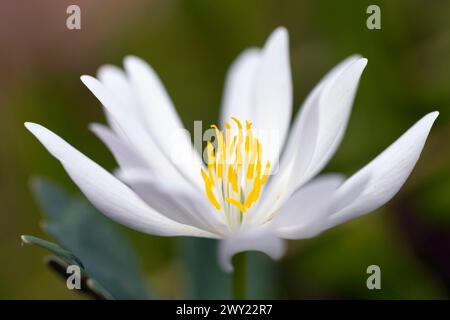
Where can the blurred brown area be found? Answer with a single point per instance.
(191, 44)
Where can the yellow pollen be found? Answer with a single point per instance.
(236, 203)
(209, 192)
(234, 176)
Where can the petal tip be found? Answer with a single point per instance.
(279, 35)
(94, 127)
(130, 61)
(32, 127)
(86, 79)
(360, 63)
(105, 70)
(429, 118)
(434, 115)
(281, 30)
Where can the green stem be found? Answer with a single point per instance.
(240, 277)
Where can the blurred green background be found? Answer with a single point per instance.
(191, 44)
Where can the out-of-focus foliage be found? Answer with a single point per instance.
(90, 241)
(191, 43)
(203, 278)
(62, 260)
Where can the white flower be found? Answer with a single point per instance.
(231, 197)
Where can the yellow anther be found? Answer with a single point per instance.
(239, 124)
(232, 177)
(228, 129)
(254, 194)
(266, 173)
(211, 160)
(228, 179)
(251, 166)
(236, 204)
(209, 191)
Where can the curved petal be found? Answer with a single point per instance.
(133, 132)
(108, 194)
(306, 125)
(239, 84)
(125, 156)
(116, 81)
(183, 204)
(273, 95)
(333, 101)
(155, 103)
(316, 132)
(161, 118)
(305, 213)
(383, 177)
(261, 239)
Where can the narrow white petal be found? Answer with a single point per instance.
(125, 156)
(307, 122)
(383, 177)
(133, 132)
(305, 213)
(181, 203)
(156, 104)
(161, 118)
(116, 81)
(325, 130)
(260, 239)
(239, 87)
(316, 132)
(108, 194)
(273, 95)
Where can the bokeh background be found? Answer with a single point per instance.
(191, 44)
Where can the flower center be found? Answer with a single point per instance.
(234, 176)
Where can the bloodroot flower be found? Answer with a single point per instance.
(242, 193)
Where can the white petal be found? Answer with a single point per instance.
(316, 133)
(155, 102)
(306, 124)
(133, 132)
(125, 156)
(116, 81)
(161, 117)
(260, 239)
(305, 213)
(383, 177)
(273, 95)
(108, 194)
(180, 203)
(324, 127)
(239, 87)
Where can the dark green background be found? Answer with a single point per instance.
(191, 44)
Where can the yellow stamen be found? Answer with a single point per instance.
(209, 192)
(266, 173)
(237, 204)
(232, 177)
(211, 160)
(235, 162)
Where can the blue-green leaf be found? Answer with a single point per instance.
(107, 256)
(66, 255)
(205, 279)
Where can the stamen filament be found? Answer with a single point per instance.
(234, 169)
